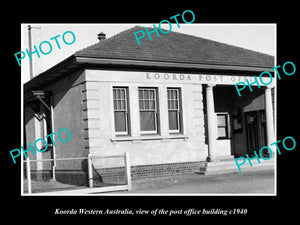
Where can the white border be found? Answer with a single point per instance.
(158, 194)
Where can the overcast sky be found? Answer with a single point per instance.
(256, 37)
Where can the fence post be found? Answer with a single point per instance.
(28, 175)
(128, 171)
(90, 171)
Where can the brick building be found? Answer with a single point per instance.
(170, 102)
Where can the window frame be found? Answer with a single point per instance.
(177, 110)
(227, 125)
(155, 110)
(126, 110)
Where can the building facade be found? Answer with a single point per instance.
(171, 103)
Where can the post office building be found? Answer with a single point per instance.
(170, 103)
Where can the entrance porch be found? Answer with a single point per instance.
(236, 126)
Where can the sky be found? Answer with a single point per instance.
(256, 37)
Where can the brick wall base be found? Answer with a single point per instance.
(117, 175)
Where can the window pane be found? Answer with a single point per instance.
(175, 94)
(122, 93)
(147, 120)
(120, 122)
(221, 120)
(173, 120)
(152, 104)
(146, 104)
(222, 132)
(123, 104)
(171, 104)
(115, 105)
(114, 93)
(151, 94)
(141, 103)
(141, 94)
(173, 99)
(169, 94)
(118, 104)
(146, 94)
(118, 94)
(175, 104)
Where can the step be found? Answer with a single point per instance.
(233, 163)
(222, 167)
(227, 171)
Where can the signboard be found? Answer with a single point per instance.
(154, 77)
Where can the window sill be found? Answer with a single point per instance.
(149, 138)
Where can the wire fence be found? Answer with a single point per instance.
(82, 175)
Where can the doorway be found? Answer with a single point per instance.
(256, 131)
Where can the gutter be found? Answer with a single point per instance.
(102, 61)
(75, 62)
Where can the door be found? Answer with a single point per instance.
(255, 131)
(251, 132)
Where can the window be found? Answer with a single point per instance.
(223, 125)
(148, 110)
(120, 98)
(174, 106)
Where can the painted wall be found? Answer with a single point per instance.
(162, 148)
(227, 100)
(29, 123)
(68, 105)
(249, 102)
(33, 127)
(83, 103)
(67, 113)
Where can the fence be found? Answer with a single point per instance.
(82, 175)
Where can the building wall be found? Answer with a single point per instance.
(223, 99)
(227, 100)
(68, 105)
(30, 127)
(249, 102)
(163, 148)
(144, 150)
(33, 127)
(83, 104)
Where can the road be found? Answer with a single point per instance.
(256, 182)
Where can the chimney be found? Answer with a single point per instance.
(101, 36)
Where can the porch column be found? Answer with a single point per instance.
(269, 116)
(211, 122)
